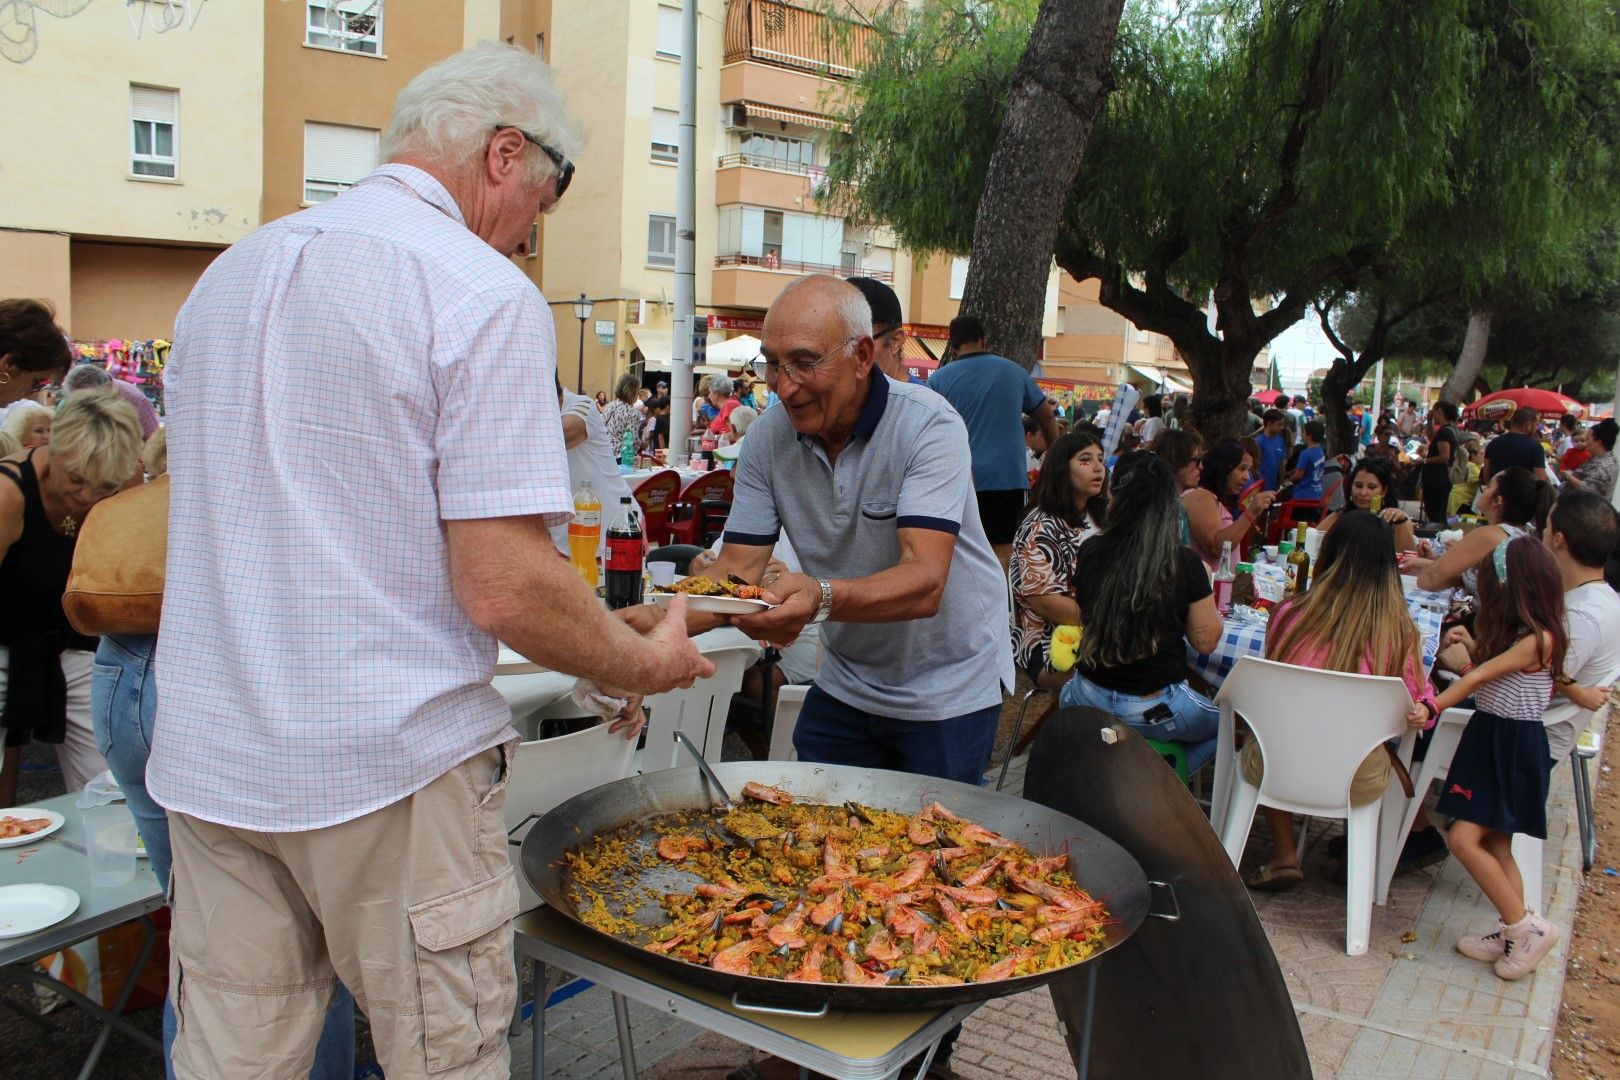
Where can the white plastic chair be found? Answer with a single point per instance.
(546, 772)
(699, 710)
(1393, 828)
(1314, 729)
(526, 693)
(789, 701)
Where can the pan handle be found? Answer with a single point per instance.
(1167, 916)
(517, 841)
(777, 1010)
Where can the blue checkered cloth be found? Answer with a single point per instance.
(1240, 639)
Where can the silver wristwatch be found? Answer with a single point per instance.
(826, 602)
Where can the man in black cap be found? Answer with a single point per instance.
(887, 333)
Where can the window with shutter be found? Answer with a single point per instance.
(666, 124)
(669, 31)
(154, 115)
(336, 157)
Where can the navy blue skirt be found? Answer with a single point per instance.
(1499, 775)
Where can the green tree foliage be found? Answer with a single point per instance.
(1267, 155)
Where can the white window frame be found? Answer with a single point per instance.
(324, 188)
(663, 49)
(667, 153)
(655, 258)
(153, 122)
(316, 36)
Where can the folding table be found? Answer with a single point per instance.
(60, 859)
(849, 1044)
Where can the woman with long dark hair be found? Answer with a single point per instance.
(1372, 478)
(1068, 505)
(1515, 503)
(1353, 619)
(1214, 514)
(1140, 593)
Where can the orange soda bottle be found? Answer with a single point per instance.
(585, 534)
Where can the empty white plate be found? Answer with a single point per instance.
(27, 909)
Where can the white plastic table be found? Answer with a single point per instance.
(849, 1044)
(60, 859)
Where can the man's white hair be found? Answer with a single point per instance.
(448, 112)
(849, 303)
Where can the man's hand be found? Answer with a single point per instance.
(797, 598)
(676, 660)
(1590, 698)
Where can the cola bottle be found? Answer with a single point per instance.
(626, 556)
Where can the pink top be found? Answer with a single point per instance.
(1416, 680)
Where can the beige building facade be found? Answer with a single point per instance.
(131, 160)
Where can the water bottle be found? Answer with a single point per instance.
(1224, 577)
(627, 449)
(585, 533)
(626, 557)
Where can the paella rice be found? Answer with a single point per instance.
(854, 894)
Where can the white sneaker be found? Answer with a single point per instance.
(1486, 947)
(1524, 944)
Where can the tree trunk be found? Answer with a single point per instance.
(1341, 437)
(1060, 84)
(1221, 376)
(1460, 385)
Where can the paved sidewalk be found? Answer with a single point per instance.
(1405, 1009)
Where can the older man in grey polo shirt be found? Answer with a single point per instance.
(870, 480)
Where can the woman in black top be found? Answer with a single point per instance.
(1437, 458)
(1143, 596)
(44, 497)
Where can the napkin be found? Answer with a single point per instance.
(100, 791)
(595, 702)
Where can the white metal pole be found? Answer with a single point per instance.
(1378, 391)
(1614, 498)
(680, 383)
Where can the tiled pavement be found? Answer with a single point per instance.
(1404, 1009)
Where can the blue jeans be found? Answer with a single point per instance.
(957, 748)
(123, 705)
(1193, 719)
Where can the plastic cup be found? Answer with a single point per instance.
(109, 840)
(662, 573)
(1271, 553)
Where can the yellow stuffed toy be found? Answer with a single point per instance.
(1060, 654)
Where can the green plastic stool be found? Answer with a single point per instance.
(1175, 754)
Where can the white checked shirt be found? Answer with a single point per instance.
(342, 381)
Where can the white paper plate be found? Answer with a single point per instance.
(28, 909)
(714, 605)
(31, 812)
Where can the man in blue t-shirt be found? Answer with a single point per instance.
(1273, 447)
(1307, 475)
(992, 394)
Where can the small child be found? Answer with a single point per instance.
(1307, 475)
(1497, 785)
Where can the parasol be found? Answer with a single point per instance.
(1500, 405)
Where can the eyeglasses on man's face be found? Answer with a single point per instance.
(797, 371)
(565, 168)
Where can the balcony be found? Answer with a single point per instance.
(786, 35)
(752, 281)
(756, 180)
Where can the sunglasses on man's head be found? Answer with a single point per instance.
(565, 168)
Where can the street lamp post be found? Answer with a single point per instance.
(582, 311)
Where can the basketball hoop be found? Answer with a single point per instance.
(162, 15)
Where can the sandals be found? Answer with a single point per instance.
(1274, 879)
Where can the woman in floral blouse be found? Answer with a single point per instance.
(1597, 473)
(621, 413)
(1068, 504)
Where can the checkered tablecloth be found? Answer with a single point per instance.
(1240, 639)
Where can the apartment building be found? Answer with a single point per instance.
(163, 132)
(132, 157)
(771, 80)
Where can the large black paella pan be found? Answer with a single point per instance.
(1098, 865)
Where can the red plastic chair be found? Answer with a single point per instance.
(1294, 512)
(656, 495)
(700, 512)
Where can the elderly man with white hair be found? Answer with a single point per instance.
(341, 563)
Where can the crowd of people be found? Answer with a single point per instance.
(321, 779)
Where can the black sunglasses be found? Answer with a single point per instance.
(565, 168)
